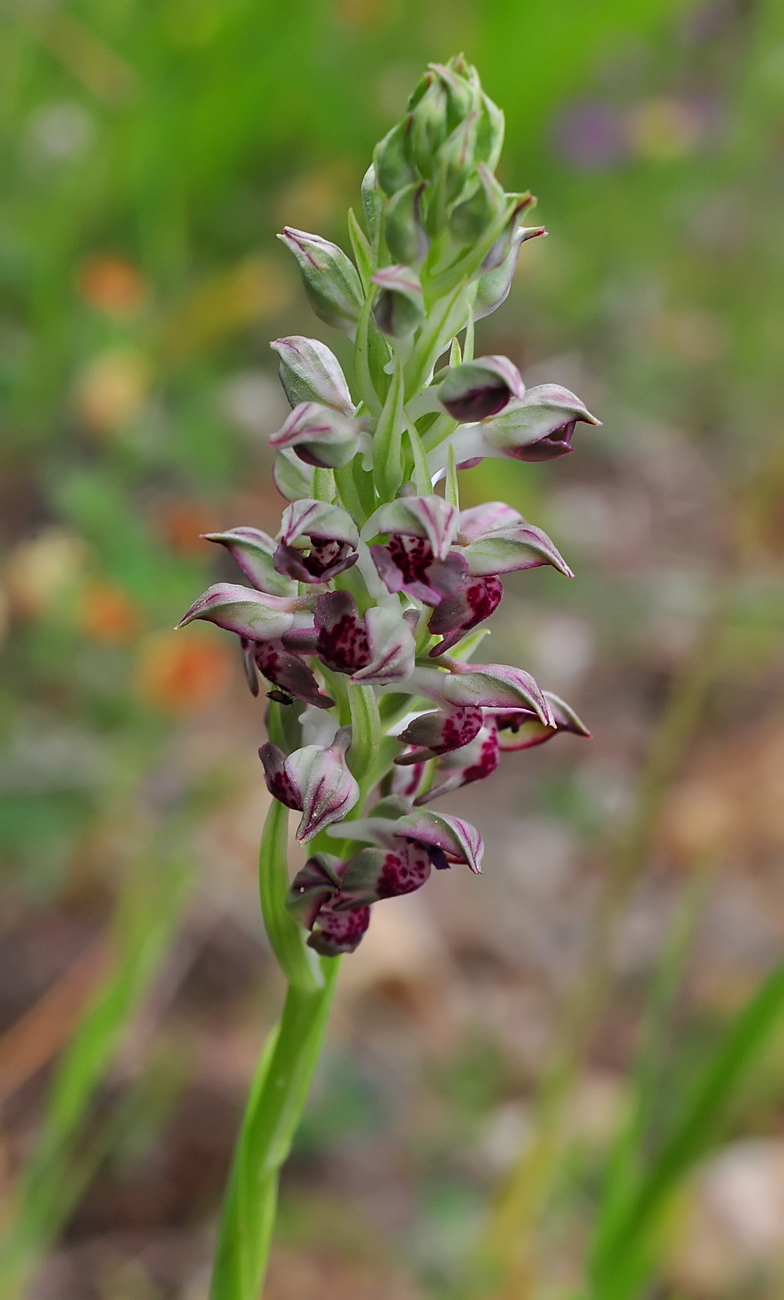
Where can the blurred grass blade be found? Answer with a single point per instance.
(619, 1270)
(626, 1161)
(145, 919)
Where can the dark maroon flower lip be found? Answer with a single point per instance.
(321, 563)
(477, 403)
(407, 564)
(454, 617)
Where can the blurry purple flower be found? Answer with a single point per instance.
(591, 133)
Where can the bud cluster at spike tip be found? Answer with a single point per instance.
(375, 584)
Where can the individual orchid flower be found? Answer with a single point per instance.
(331, 280)
(476, 760)
(285, 671)
(521, 729)
(254, 615)
(486, 686)
(319, 435)
(254, 553)
(447, 839)
(431, 734)
(537, 426)
(310, 902)
(480, 388)
(418, 557)
(310, 372)
(375, 649)
(316, 542)
(314, 781)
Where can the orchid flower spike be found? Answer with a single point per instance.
(361, 611)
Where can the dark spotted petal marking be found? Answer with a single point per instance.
(289, 673)
(279, 782)
(438, 733)
(458, 614)
(342, 641)
(339, 932)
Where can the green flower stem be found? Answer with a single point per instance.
(277, 1098)
(297, 961)
(290, 1056)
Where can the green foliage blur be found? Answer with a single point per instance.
(150, 151)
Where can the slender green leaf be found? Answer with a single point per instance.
(387, 454)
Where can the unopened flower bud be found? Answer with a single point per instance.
(498, 252)
(404, 230)
(392, 158)
(319, 435)
(310, 372)
(399, 306)
(490, 135)
(254, 552)
(372, 202)
(492, 287)
(470, 219)
(331, 280)
(480, 388)
(291, 476)
(456, 158)
(430, 127)
(538, 426)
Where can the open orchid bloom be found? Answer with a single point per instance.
(522, 729)
(537, 426)
(476, 760)
(361, 615)
(313, 780)
(378, 648)
(316, 542)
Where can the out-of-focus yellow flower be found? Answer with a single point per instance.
(112, 389)
(112, 284)
(664, 130)
(179, 672)
(106, 614)
(39, 569)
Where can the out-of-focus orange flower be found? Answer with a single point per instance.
(106, 614)
(112, 389)
(179, 672)
(40, 569)
(112, 285)
(253, 290)
(180, 523)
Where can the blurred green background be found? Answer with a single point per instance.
(149, 154)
